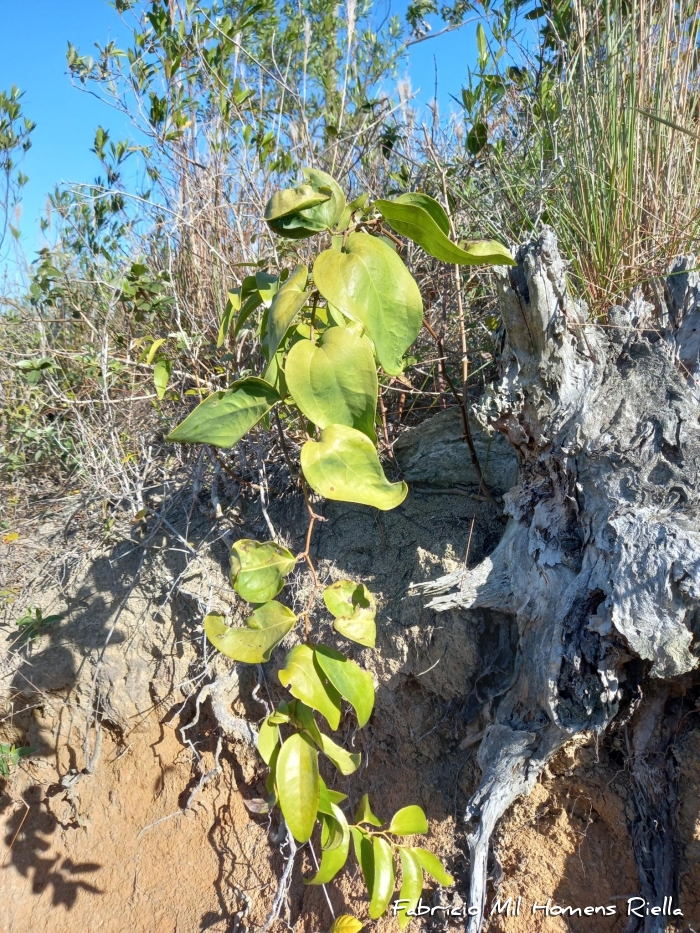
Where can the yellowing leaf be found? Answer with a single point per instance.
(369, 283)
(344, 466)
(308, 683)
(258, 569)
(161, 376)
(267, 626)
(298, 788)
(10, 537)
(335, 381)
(346, 923)
(224, 417)
(407, 821)
(154, 349)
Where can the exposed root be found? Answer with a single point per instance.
(600, 560)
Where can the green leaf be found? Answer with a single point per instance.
(362, 843)
(408, 821)
(344, 466)
(335, 382)
(258, 569)
(411, 884)
(298, 789)
(267, 626)
(354, 609)
(268, 739)
(233, 305)
(477, 138)
(346, 923)
(328, 797)
(369, 283)
(308, 683)
(412, 220)
(432, 864)
(251, 303)
(224, 417)
(332, 860)
(481, 45)
(384, 877)
(363, 813)
(308, 209)
(346, 762)
(304, 717)
(430, 205)
(292, 200)
(161, 376)
(348, 678)
(287, 303)
(267, 285)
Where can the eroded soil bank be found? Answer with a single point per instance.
(87, 850)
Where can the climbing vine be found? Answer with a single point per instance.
(324, 333)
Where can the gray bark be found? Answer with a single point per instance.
(600, 561)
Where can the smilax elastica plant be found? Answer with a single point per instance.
(324, 333)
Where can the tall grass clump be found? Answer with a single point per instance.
(630, 144)
(596, 133)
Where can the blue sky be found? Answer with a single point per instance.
(33, 42)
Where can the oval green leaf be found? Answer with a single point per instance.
(224, 417)
(287, 303)
(412, 220)
(408, 821)
(292, 200)
(335, 382)
(354, 609)
(268, 739)
(346, 762)
(411, 885)
(308, 683)
(267, 626)
(344, 466)
(296, 213)
(348, 678)
(362, 843)
(258, 569)
(332, 860)
(369, 283)
(384, 877)
(298, 788)
(363, 813)
(432, 865)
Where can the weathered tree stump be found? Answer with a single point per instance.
(600, 560)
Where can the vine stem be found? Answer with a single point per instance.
(461, 401)
(306, 556)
